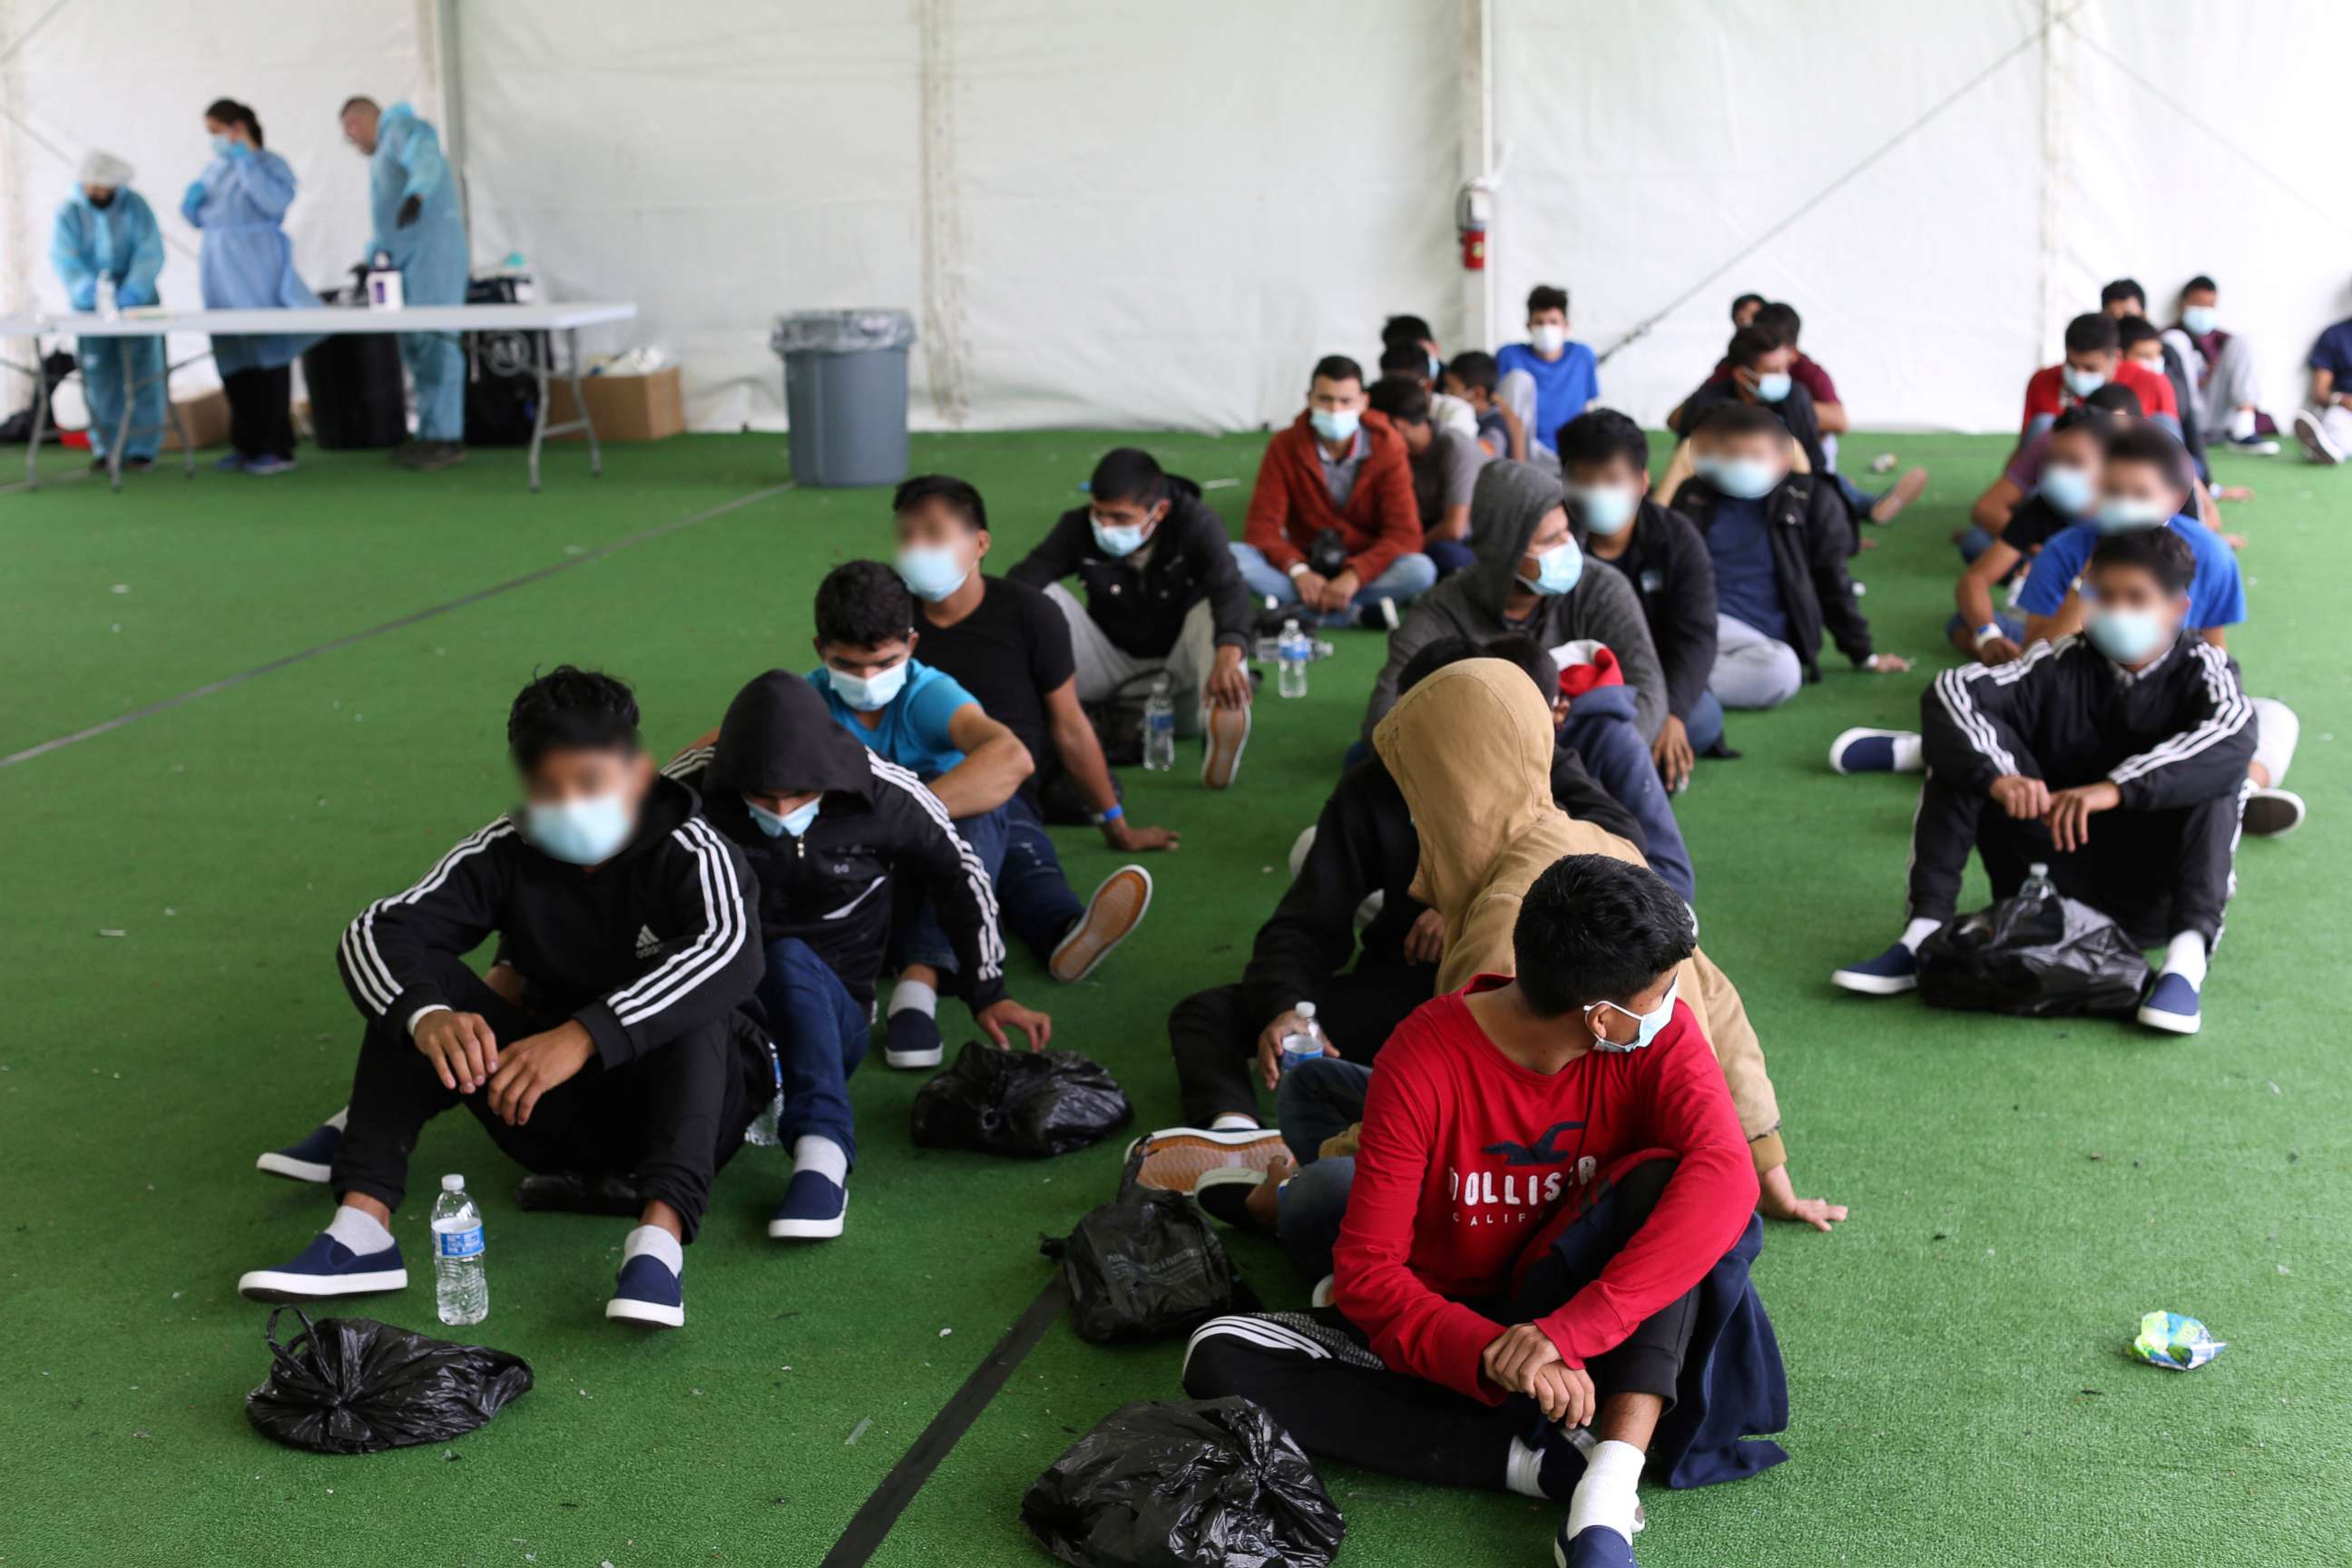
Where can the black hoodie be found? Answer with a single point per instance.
(1142, 610)
(657, 942)
(832, 886)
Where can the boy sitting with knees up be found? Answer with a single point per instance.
(2065, 492)
(829, 827)
(925, 721)
(1473, 376)
(1415, 360)
(1779, 542)
(2221, 369)
(2094, 358)
(2325, 426)
(1552, 1194)
(2117, 757)
(2020, 479)
(629, 1051)
(1548, 380)
(1445, 464)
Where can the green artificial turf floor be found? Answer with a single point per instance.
(170, 893)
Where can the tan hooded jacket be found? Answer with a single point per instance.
(1471, 748)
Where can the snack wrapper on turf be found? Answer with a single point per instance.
(2170, 1339)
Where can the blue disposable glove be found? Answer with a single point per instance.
(192, 201)
(134, 296)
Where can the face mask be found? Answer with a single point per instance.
(1557, 569)
(1606, 509)
(1750, 479)
(794, 822)
(1647, 1023)
(2127, 637)
(1114, 540)
(1436, 372)
(868, 693)
(586, 831)
(1548, 339)
(930, 572)
(2070, 490)
(221, 146)
(2083, 382)
(2197, 318)
(1334, 423)
(1772, 386)
(2119, 514)
(1706, 465)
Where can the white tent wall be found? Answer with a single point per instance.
(133, 77)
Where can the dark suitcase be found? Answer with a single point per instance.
(357, 398)
(501, 380)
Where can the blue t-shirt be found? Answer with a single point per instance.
(2217, 598)
(914, 728)
(2333, 353)
(1563, 385)
(1747, 587)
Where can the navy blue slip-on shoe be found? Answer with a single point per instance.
(811, 1209)
(910, 1040)
(2271, 812)
(324, 1270)
(1595, 1546)
(2170, 1005)
(648, 1293)
(311, 1159)
(1890, 972)
(1864, 750)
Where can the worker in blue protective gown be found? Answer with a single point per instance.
(107, 231)
(247, 263)
(412, 201)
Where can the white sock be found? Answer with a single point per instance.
(2185, 957)
(1910, 753)
(1917, 931)
(1520, 1470)
(653, 1238)
(1607, 1495)
(339, 1117)
(824, 1156)
(913, 994)
(1233, 1122)
(360, 1232)
(2275, 732)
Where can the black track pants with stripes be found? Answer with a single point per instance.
(669, 1119)
(2155, 873)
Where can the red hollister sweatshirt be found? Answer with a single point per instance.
(1468, 1160)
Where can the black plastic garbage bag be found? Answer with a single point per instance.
(353, 1386)
(1212, 1484)
(1032, 1103)
(2037, 957)
(1144, 1265)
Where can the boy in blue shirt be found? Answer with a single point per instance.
(1547, 379)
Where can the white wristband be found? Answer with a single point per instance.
(1987, 632)
(429, 1007)
(1298, 568)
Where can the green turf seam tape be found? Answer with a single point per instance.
(874, 1517)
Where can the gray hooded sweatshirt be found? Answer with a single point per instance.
(1509, 501)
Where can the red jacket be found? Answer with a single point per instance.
(1469, 1162)
(1290, 505)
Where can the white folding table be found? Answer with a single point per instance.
(541, 324)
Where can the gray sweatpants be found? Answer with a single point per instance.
(1752, 671)
(1103, 666)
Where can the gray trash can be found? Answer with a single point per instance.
(845, 394)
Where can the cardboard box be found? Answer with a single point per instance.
(624, 407)
(207, 417)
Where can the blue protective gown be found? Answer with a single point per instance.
(431, 254)
(248, 261)
(122, 241)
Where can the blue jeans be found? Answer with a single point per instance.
(820, 1035)
(1316, 1101)
(1702, 725)
(1974, 542)
(1601, 730)
(1407, 578)
(1032, 893)
(923, 938)
(1450, 556)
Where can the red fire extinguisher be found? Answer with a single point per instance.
(1472, 210)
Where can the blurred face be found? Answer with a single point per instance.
(2148, 353)
(360, 126)
(1615, 469)
(932, 524)
(2119, 309)
(1329, 397)
(2075, 449)
(2135, 590)
(1760, 446)
(589, 773)
(2140, 482)
(2193, 299)
(99, 195)
(1476, 396)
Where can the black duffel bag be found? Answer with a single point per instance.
(1026, 1103)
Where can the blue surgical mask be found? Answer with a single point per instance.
(1772, 386)
(2068, 489)
(2120, 514)
(585, 831)
(2127, 637)
(1605, 508)
(223, 146)
(1117, 539)
(1557, 569)
(1704, 464)
(2197, 318)
(2083, 382)
(868, 693)
(1334, 423)
(1750, 479)
(930, 572)
(1647, 1024)
(1436, 372)
(794, 822)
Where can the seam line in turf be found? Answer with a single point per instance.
(164, 705)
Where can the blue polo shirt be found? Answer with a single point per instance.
(914, 728)
(1563, 385)
(2217, 595)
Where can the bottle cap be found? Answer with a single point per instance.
(2040, 868)
(1305, 1009)
(453, 1183)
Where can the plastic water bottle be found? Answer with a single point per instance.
(107, 309)
(1304, 1044)
(1293, 655)
(2037, 885)
(1160, 729)
(461, 1288)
